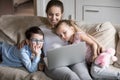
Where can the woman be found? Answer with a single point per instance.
(54, 11)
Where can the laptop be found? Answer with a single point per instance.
(65, 55)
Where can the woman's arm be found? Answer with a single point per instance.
(23, 43)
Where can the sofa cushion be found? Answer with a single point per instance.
(9, 73)
(105, 33)
(117, 63)
(39, 75)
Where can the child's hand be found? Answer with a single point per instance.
(100, 49)
(37, 50)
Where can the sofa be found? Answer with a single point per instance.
(12, 30)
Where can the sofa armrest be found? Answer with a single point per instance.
(9, 73)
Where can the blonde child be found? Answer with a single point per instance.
(67, 30)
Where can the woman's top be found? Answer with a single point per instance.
(13, 57)
(77, 40)
(51, 39)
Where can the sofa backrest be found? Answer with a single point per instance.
(12, 28)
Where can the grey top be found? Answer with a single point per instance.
(51, 40)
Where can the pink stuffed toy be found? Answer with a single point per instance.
(104, 59)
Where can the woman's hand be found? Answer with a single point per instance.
(24, 42)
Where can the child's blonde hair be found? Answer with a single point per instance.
(69, 23)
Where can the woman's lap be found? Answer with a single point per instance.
(81, 70)
(77, 71)
(62, 73)
(105, 73)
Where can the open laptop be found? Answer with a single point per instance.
(65, 55)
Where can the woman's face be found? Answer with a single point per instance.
(54, 15)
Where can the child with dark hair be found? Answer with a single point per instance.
(28, 56)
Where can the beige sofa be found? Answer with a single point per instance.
(12, 30)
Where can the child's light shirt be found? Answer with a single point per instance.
(77, 40)
(13, 57)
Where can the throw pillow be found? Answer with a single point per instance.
(105, 33)
(117, 64)
(39, 75)
(9, 73)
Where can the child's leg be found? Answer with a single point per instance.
(110, 73)
(81, 70)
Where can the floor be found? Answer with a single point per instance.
(26, 9)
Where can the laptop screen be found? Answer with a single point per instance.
(66, 55)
